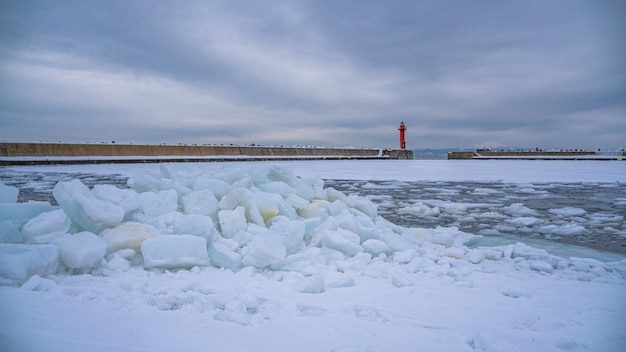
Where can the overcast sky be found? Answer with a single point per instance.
(532, 73)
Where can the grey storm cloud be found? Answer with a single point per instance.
(333, 73)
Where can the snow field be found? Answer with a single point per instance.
(243, 259)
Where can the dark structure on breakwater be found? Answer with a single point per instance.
(68, 153)
(536, 155)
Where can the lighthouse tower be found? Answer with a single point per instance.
(402, 141)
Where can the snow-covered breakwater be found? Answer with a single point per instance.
(287, 257)
(71, 153)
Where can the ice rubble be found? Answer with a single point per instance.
(265, 218)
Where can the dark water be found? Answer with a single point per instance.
(486, 208)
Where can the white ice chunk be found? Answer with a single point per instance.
(186, 174)
(197, 225)
(417, 235)
(234, 198)
(245, 182)
(267, 205)
(405, 256)
(310, 284)
(291, 234)
(253, 215)
(8, 194)
(568, 211)
(541, 266)
(525, 221)
(18, 262)
(218, 187)
(476, 257)
(232, 221)
(318, 208)
(144, 181)
(158, 203)
(570, 229)
(454, 252)
(376, 247)
(307, 261)
(125, 198)
(342, 240)
(173, 185)
(420, 264)
(278, 188)
(83, 250)
(222, 256)
(366, 229)
(491, 254)
(605, 217)
(367, 207)
(174, 251)
(201, 202)
(421, 210)
(232, 174)
(484, 191)
(281, 173)
(450, 236)
(518, 209)
(263, 251)
(44, 226)
(339, 280)
(128, 235)
(64, 191)
(38, 284)
(86, 211)
(337, 207)
(297, 201)
(9, 232)
(454, 208)
(284, 210)
(20, 213)
(396, 242)
(304, 191)
(346, 221)
(334, 195)
(116, 263)
(234, 311)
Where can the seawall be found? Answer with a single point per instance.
(536, 155)
(64, 153)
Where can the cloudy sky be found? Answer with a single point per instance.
(533, 73)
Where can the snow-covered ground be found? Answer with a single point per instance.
(261, 256)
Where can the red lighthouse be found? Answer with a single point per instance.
(402, 129)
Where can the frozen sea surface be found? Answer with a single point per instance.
(297, 266)
(589, 214)
(543, 213)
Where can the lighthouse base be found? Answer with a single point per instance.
(400, 154)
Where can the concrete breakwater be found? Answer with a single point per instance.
(537, 155)
(66, 153)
